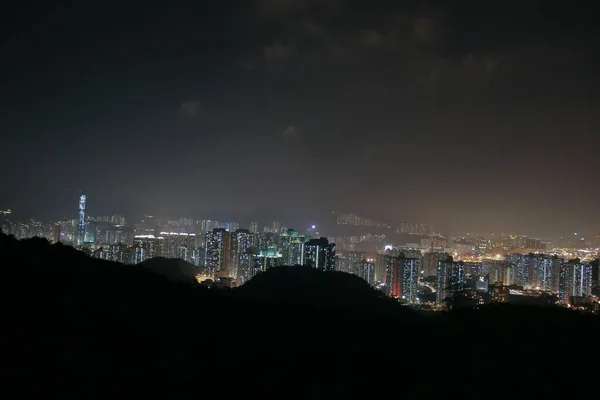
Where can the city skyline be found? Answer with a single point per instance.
(327, 222)
(434, 275)
(409, 262)
(466, 116)
(343, 226)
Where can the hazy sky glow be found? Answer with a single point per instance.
(464, 114)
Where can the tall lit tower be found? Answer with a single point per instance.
(320, 254)
(81, 221)
(217, 256)
(575, 281)
(450, 280)
(240, 255)
(410, 279)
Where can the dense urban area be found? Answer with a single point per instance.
(410, 261)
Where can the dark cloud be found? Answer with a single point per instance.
(420, 110)
(290, 132)
(426, 49)
(371, 38)
(280, 52)
(279, 8)
(423, 29)
(190, 108)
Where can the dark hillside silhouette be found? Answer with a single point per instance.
(175, 269)
(315, 288)
(78, 325)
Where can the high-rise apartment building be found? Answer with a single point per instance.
(206, 225)
(240, 255)
(429, 262)
(56, 231)
(291, 245)
(350, 261)
(320, 254)
(217, 258)
(177, 245)
(352, 219)
(510, 277)
(546, 272)
(536, 270)
(391, 281)
(366, 270)
(575, 281)
(410, 279)
(523, 269)
(144, 247)
(90, 233)
(450, 280)
(402, 277)
(595, 274)
(262, 260)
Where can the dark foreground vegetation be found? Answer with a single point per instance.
(87, 327)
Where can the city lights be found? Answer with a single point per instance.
(425, 270)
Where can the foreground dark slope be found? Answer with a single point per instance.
(78, 322)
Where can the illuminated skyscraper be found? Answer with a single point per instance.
(350, 261)
(177, 245)
(536, 271)
(5, 223)
(546, 271)
(143, 247)
(382, 267)
(240, 255)
(496, 271)
(365, 270)
(596, 273)
(410, 279)
(320, 254)
(90, 233)
(80, 236)
(56, 232)
(444, 272)
(575, 281)
(523, 269)
(262, 260)
(402, 277)
(292, 247)
(509, 275)
(213, 252)
(207, 225)
(450, 280)
(429, 262)
(392, 272)
(217, 257)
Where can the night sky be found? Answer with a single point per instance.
(467, 115)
